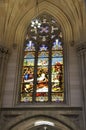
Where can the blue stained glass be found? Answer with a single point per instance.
(30, 46)
(57, 53)
(57, 45)
(43, 54)
(44, 29)
(29, 55)
(43, 48)
(57, 61)
(26, 76)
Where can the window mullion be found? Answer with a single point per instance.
(35, 74)
(49, 70)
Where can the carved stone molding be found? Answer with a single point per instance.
(65, 118)
(81, 47)
(3, 50)
(3, 62)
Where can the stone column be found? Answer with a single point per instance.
(3, 65)
(81, 49)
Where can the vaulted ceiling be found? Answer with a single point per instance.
(15, 16)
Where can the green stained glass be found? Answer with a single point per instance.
(42, 61)
(28, 62)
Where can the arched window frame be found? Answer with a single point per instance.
(64, 90)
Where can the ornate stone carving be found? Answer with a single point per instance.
(3, 50)
(81, 47)
(22, 118)
(3, 62)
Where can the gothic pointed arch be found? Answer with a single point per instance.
(42, 79)
(39, 122)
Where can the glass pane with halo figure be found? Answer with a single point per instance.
(28, 73)
(57, 77)
(42, 75)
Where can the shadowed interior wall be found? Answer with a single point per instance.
(15, 17)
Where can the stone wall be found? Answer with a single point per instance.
(24, 119)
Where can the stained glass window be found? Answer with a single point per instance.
(42, 79)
